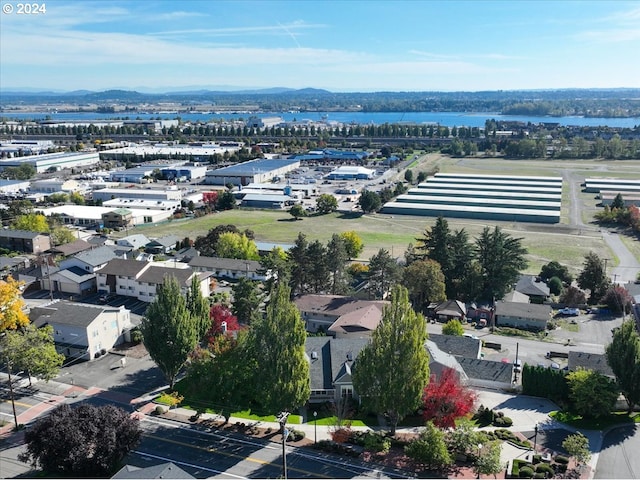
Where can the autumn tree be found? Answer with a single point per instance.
(222, 321)
(573, 296)
(170, 331)
(32, 222)
(623, 356)
(617, 299)
(12, 313)
(446, 399)
(453, 327)
(353, 243)
(276, 356)
(398, 340)
(84, 441)
(206, 244)
(236, 245)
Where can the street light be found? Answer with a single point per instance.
(282, 420)
(315, 427)
(535, 437)
(478, 459)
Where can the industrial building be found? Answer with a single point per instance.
(141, 204)
(598, 185)
(253, 171)
(53, 161)
(270, 201)
(194, 153)
(629, 198)
(14, 148)
(490, 197)
(89, 216)
(184, 172)
(347, 172)
(146, 194)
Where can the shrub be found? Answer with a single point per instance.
(562, 467)
(136, 335)
(526, 472)
(296, 435)
(507, 422)
(536, 459)
(171, 399)
(545, 469)
(377, 442)
(561, 459)
(539, 475)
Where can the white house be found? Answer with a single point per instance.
(81, 330)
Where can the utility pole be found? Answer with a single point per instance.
(13, 403)
(282, 420)
(515, 365)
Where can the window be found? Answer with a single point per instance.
(347, 392)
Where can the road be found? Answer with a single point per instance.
(619, 454)
(628, 266)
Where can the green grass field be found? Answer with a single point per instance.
(395, 232)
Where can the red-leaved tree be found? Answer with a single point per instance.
(219, 314)
(445, 399)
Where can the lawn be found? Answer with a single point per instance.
(577, 421)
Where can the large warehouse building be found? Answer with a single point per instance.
(253, 171)
(54, 161)
(483, 197)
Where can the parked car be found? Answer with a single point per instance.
(570, 312)
(106, 297)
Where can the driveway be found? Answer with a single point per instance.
(628, 266)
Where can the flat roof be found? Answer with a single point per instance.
(498, 177)
(506, 188)
(468, 211)
(617, 181)
(491, 181)
(482, 193)
(480, 201)
(253, 167)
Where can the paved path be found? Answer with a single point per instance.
(628, 267)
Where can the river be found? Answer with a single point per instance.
(448, 119)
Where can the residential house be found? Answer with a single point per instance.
(536, 289)
(83, 331)
(634, 291)
(528, 316)
(590, 361)
(72, 280)
(476, 313)
(440, 360)
(228, 268)
(487, 373)
(321, 312)
(90, 260)
(162, 245)
(132, 278)
(133, 241)
(331, 361)
(25, 241)
(359, 323)
(458, 346)
(69, 249)
(450, 310)
(515, 296)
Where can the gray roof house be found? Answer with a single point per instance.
(90, 260)
(522, 315)
(167, 470)
(163, 244)
(590, 361)
(330, 363)
(439, 361)
(133, 241)
(72, 248)
(24, 241)
(487, 373)
(459, 346)
(530, 285)
(450, 309)
(72, 280)
(81, 330)
(515, 296)
(230, 268)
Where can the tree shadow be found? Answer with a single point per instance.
(350, 215)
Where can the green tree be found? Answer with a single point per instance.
(488, 461)
(555, 286)
(337, 265)
(236, 245)
(275, 265)
(353, 243)
(77, 198)
(369, 201)
(326, 203)
(170, 331)
(226, 201)
(318, 267)
(425, 281)
(398, 340)
(577, 445)
(555, 269)
(430, 448)
(384, 272)
(206, 244)
(198, 306)
(61, 235)
(246, 299)
(23, 172)
(32, 222)
(501, 258)
(31, 349)
(453, 327)
(84, 441)
(298, 257)
(593, 277)
(408, 175)
(297, 211)
(422, 176)
(58, 198)
(275, 350)
(591, 393)
(623, 356)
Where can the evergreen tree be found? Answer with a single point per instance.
(275, 350)
(593, 277)
(198, 306)
(318, 267)
(246, 299)
(397, 342)
(425, 281)
(337, 265)
(170, 331)
(298, 257)
(501, 258)
(383, 273)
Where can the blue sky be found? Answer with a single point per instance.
(344, 45)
